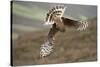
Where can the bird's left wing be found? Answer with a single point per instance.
(47, 46)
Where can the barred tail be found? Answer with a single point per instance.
(57, 10)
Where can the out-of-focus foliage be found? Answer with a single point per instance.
(71, 46)
(31, 13)
(29, 33)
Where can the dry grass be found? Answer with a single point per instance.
(72, 46)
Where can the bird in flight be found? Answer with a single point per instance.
(59, 23)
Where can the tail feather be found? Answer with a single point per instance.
(57, 10)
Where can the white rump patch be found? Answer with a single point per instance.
(48, 23)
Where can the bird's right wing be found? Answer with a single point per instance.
(79, 25)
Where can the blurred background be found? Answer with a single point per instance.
(28, 33)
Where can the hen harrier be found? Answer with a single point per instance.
(55, 17)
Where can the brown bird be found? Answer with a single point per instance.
(59, 23)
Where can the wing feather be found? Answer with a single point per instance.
(47, 47)
(79, 25)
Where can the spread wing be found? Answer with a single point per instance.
(47, 47)
(57, 10)
(79, 25)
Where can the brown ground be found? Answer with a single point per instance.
(72, 46)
